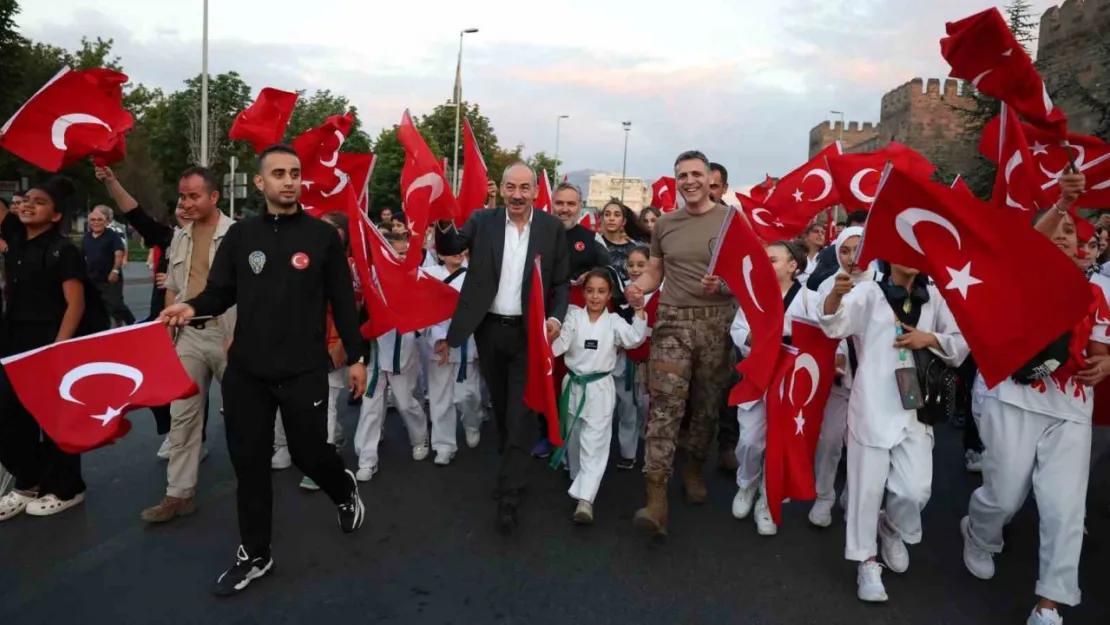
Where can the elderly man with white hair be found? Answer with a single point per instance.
(105, 253)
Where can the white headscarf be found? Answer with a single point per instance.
(847, 233)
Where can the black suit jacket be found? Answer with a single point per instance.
(484, 236)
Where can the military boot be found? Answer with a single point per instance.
(693, 482)
(653, 517)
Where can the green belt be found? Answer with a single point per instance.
(630, 380)
(573, 379)
(373, 376)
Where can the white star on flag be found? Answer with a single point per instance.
(797, 195)
(962, 279)
(800, 421)
(1038, 148)
(109, 415)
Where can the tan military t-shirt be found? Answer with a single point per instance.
(198, 264)
(685, 243)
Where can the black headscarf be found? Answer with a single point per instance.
(896, 296)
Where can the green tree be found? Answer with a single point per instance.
(541, 162)
(313, 111)
(439, 127)
(503, 158)
(13, 47)
(95, 54)
(985, 108)
(1096, 94)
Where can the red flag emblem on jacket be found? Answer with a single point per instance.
(795, 410)
(741, 261)
(472, 188)
(1049, 159)
(79, 390)
(1009, 288)
(539, 390)
(664, 194)
(263, 122)
(983, 51)
(857, 175)
(75, 115)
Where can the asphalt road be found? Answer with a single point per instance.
(429, 552)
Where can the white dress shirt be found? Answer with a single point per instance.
(508, 300)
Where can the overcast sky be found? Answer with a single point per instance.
(742, 80)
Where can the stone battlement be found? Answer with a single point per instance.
(849, 134)
(1073, 18)
(902, 97)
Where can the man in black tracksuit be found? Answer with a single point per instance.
(282, 269)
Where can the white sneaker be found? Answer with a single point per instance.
(443, 458)
(742, 502)
(764, 524)
(420, 452)
(473, 437)
(50, 504)
(164, 450)
(893, 549)
(365, 475)
(281, 460)
(13, 504)
(974, 461)
(1045, 617)
(870, 581)
(821, 513)
(584, 513)
(979, 561)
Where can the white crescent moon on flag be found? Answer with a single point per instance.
(1011, 165)
(62, 124)
(975, 82)
(75, 375)
(906, 220)
(334, 157)
(857, 179)
(1048, 106)
(747, 267)
(343, 180)
(826, 178)
(433, 180)
(807, 362)
(388, 254)
(1080, 157)
(759, 220)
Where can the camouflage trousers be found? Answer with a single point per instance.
(691, 358)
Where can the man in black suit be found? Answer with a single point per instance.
(493, 307)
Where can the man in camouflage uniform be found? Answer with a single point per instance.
(690, 349)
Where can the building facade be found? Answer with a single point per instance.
(603, 187)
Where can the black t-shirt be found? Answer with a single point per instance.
(36, 270)
(100, 253)
(618, 255)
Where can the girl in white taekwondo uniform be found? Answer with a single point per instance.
(631, 405)
(752, 417)
(888, 448)
(1038, 435)
(834, 428)
(590, 340)
(452, 376)
(395, 361)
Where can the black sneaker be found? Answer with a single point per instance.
(351, 512)
(245, 571)
(626, 464)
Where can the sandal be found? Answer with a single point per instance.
(14, 503)
(48, 505)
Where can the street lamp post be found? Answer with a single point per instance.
(204, 92)
(458, 105)
(841, 123)
(624, 164)
(558, 121)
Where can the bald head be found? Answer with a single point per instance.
(518, 168)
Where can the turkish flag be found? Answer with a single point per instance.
(959, 185)
(1015, 184)
(416, 299)
(78, 390)
(322, 183)
(381, 319)
(803, 193)
(740, 260)
(75, 115)
(795, 411)
(768, 226)
(588, 221)
(857, 175)
(475, 178)
(539, 390)
(543, 194)
(1049, 158)
(263, 122)
(663, 194)
(830, 224)
(427, 193)
(329, 193)
(1009, 288)
(983, 51)
(759, 192)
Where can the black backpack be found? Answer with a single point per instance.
(96, 317)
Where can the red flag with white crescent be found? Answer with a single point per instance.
(664, 194)
(79, 390)
(263, 123)
(539, 389)
(472, 189)
(857, 175)
(802, 194)
(427, 193)
(543, 195)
